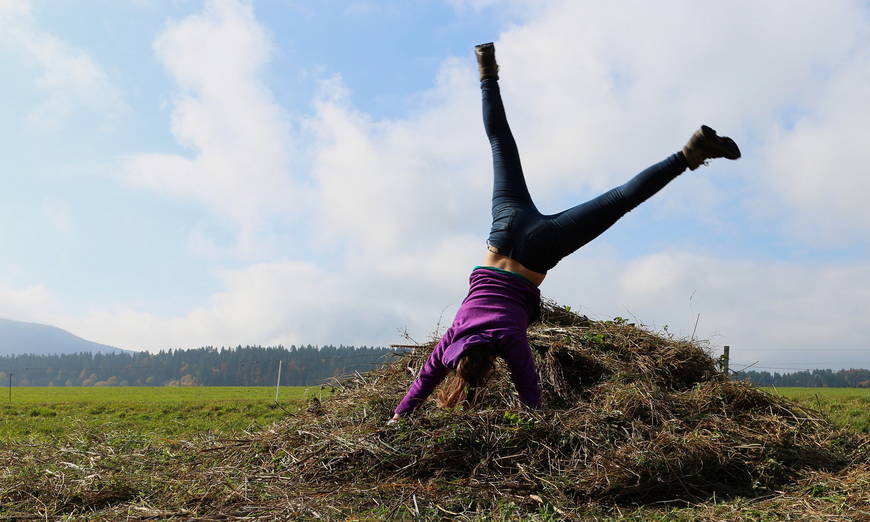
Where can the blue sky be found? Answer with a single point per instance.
(184, 173)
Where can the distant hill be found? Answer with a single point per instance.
(18, 337)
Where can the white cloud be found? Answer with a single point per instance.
(239, 136)
(264, 303)
(778, 313)
(781, 314)
(818, 167)
(69, 79)
(594, 94)
(33, 303)
(388, 187)
(597, 91)
(272, 303)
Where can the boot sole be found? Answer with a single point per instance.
(723, 144)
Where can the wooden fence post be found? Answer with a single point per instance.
(724, 360)
(278, 382)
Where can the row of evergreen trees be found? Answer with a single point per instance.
(809, 378)
(258, 366)
(239, 366)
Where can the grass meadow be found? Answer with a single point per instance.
(181, 412)
(847, 407)
(41, 413)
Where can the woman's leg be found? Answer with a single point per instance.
(509, 184)
(573, 228)
(511, 202)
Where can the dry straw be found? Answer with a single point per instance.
(632, 419)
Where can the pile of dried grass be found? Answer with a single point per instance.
(631, 418)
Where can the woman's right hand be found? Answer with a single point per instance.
(393, 420)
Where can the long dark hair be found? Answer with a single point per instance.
(472, 371)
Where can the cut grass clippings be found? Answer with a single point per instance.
(636, 426)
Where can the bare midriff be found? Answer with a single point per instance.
(512, 265)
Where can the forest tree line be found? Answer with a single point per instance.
(208, 366)
(853, 378)
(258, 366)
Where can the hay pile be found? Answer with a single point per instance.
(633, 422)
(630, 417)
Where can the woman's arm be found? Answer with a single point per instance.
(432, 373)
(519, 359)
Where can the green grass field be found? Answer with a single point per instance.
(159, 412)
(847, 407)
(176, 412)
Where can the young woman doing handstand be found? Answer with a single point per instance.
(523, 245)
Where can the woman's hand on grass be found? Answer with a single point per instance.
(393, 420)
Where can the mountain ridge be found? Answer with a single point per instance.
(21, 337)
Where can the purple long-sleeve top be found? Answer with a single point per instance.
(496, 313)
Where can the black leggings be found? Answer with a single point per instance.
(539, 241)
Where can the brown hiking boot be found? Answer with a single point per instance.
(705, 144)
(486, 61)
